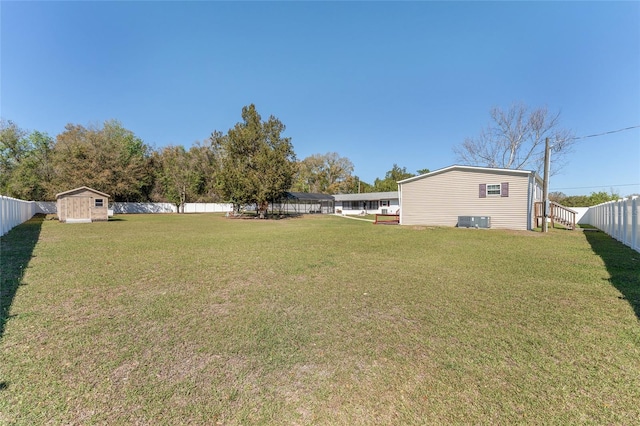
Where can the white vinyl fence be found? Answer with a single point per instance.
(618, 219)
(127, 208)
(207, 208)
(13, 212)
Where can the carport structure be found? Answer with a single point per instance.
(303, 203)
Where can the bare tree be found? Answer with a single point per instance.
(515, 139)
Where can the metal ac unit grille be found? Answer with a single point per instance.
(474, 221)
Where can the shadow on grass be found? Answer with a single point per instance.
(270, 216)
(622, 263)
(16, 250)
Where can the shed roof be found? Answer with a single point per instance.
(367, 196)
(82, 188)
(474, 169)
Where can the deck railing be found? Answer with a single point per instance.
(387, 219)
(557, 214)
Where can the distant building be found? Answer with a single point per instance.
(367, 203)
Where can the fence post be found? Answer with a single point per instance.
(635, 231)
(619, 222)
(1, 214)
(612, 218)
(626, 220)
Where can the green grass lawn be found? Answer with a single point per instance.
(198, 319)
(371, 217)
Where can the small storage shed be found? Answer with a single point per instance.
(501, 198)
(82, 205)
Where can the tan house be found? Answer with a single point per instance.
(82, 205)
(468, 196)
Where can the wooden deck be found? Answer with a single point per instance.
(558, 214)
(394, 221)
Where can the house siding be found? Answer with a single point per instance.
(439, 199)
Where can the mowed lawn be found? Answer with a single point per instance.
(199, 319)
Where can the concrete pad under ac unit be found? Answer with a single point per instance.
(78, 221)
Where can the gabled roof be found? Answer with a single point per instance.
(82, 188)
(367, 196)
(474, 169)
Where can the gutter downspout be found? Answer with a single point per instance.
(530, 201)
(400, 203)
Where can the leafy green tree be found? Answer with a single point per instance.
(13, 148)
(203, 161)
(602, 197)
(557, 197)
(257, 164)
(593, 199)
(354, 185)
(574, 201)
(184, 176)
(111, 159)
(324, 173)
(175, 175)
(30, 180)
(391, 178)
(363, 187)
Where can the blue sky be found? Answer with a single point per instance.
(377, 82)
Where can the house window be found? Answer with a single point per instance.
(98, 202)
(500, 189)
(384, 203)
(493, 189)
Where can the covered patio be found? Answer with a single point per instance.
(303, 203)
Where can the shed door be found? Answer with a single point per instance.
(79, 208)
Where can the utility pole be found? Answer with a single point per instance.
(545, 185)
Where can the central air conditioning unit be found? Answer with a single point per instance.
(474, 221)
(384, 211)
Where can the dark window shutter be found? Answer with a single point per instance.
(504, 189)
(483, 190)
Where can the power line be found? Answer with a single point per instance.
(604, 133)
(598, 186)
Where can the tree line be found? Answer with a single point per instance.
(592, 199)
(252, 163)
